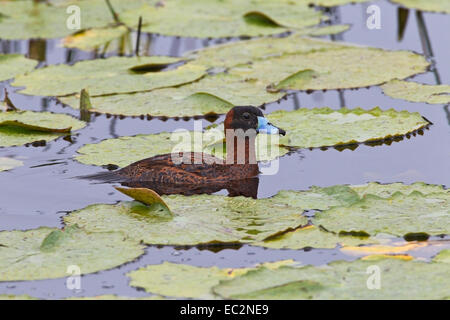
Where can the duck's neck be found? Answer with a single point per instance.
(240, 147)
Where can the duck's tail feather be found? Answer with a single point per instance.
(103, 177)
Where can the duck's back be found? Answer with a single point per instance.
(191, 168)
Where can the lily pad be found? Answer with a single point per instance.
(443, 256)
(322, 127)
(400, 215)
(92, 39)
(399, 279)
(340, 68)
(387, 190)
(47, 253)
(218, 19)
(9, 163)
(107, 76)
(200, 219)
(417, 92)
(311, 237)
(12, 65)
(185, 281)
(211, 95)
(28, 19)
(22, 127)
(426, 5)
(14, 297)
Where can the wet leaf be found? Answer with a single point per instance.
(211, 95)
(341, 280)
(199, 219)
(185, 281)
(46, 253)
(9, 163)
(92, 39)
(417, 92)
(426, 5)
(218, 19)
(383, 249)
(398, 215)
(12, 65)
(29, 19)
(106, 76)
(319, 127)
(22, 127)
(387, 190)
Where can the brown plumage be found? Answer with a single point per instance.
(200, 172)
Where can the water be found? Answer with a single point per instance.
(42, 191)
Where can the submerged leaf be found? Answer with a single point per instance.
(47, 253)
(417, 92)
(106, 76)
(12, 65)
(223, 18)
(399, 215)
(21, 127)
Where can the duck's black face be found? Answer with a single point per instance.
(246, 118)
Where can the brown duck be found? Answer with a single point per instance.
(201, 172)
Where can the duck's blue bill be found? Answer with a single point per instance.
(264, 126)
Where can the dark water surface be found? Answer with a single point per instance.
(42, 191)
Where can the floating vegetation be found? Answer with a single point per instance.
(12, 65)
(22, 127)
(47, 253)
(417, 92)
(107, 76)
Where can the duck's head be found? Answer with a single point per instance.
(246, 118)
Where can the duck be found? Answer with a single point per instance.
(198, 172)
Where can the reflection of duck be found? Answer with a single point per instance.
(196, 170)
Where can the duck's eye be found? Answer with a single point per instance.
(246, 115)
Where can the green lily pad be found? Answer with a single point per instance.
(218, 19)
(47, 253)
(426, 5)
(211, 95)
(417, 92)
(342, 280)
(107, 76)
(387, 190)
(235, 53)
(323, 127)
(9, 163)
(12, 65)
(312, 237)
(91, 39)
(340, 68)
(185, 281)
(22, 127)
(400, 215)
(14, 297)
(199, 219)
(28, 19)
